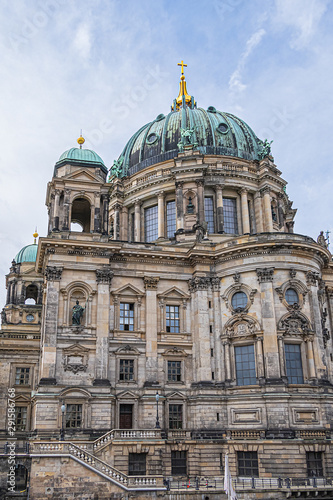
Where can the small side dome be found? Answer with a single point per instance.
(84, 157)
(27, 254)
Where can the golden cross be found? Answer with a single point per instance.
(182, 65)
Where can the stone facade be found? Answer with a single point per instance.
(203, 318)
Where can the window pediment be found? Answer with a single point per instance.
(175, 352)
(295, 322)
(241, 325)
(174, 396)
(173, 293)
(127, 350)
(128, 291)
(127, 395)
(75, 392)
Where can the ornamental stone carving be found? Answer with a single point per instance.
(104, 276)
(295, 323)
(151, 282)
(53, 273)
(199, 283)
(265, 274)
(236, 277)
(292, 273)
(216, 283)
(75, 358)
(311, 278)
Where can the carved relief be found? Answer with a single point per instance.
(75, 358)
(204, 283)
(311, 278)
(265, 274)
(104, 276)
(151, 282)
(295, 323)
(53, 273)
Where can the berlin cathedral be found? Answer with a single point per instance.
(170, 318)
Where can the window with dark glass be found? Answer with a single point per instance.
(172, 319)
(230, 216)
(294, 370)
(22, 376)
(209, 213)
(171, 218)
(73, 416)
(291, 296)
(125, 416)
(239, 300)
(21, 418)
(247, 463)
(132, 226)
(137, 464)
(126, 320)
(175, 416)
(174, 371)
(245, 365)
(179, 463)
(314, 463)
(126, 369)
(151, 223)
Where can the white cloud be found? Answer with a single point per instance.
(82, 41)
(303, 16)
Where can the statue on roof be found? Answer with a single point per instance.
(264, 149)
(116, 169)
(187, 138)
(321, 240)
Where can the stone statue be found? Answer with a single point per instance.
(201, 231)
(116, 169)
(186, 138)
(321, 240)
(77, 313)
(264, 149)
(190, 206)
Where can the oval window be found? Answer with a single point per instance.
(291, 296)
(159, 117)
(152, 138)
(239, 300)
(30, 317)
(211, 109)
(222, 128)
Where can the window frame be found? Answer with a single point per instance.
(131, 308)
(246, 457)
(132, 360)
(26, 408)
(25, 384)
(235, 215)
(22, 387)
(178, 421)
(143, 470)
(238, 377)
(209, 211)
(289, 377)
(175, 320)
(175, 466)
(180, 375)
(154, 225)
(67, 419)
(316, 459)
(167, 229)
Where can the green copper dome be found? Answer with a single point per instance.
(27, 254)
(211, 132)
(78, 156)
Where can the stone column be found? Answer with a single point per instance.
(245, 211)
(161, 229)
(117, 208)
(227, 364)
(318, 343)
(151, 283)
(258, 212)
(97, 213)
(201, 200)
(65, 223)
(124, 224)
(219, 209)
(310, 357)
(56, 210)
(271, 356)
(105, 208)
(50, 325)
(137, 220)
(13, 291)
(253, 228)
(200, 326)
(162, 314)
(8, 293)
(216, 283)
(179, 206)
(281, 356)
(267, 209)
(260, 359)
(103, 277)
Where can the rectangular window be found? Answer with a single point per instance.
(126, 320)
(171, 218)
(247, 463)
(174, 371)
(22, 376)
(151, 223)
(179, 463)
(126, 369)
(172, 319)
(132, 226)
(175, 416)
(294, 368)
(314, 463)
(230, 216)
(209, 214)
(137, 464)
(21, 418)
(245, 365)
(125, 416)
(73, 416)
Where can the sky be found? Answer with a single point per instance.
(110, 66)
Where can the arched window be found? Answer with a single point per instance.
(81, 212)
(31, 295)
(291, 296)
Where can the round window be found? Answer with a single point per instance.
(152, 138)
(30, 317)
(159, 117)
(291, 296)
(211, 109)
(222, 128)
(239, 300)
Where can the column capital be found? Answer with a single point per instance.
(104, 276)
(199, 283)
(243, 190)
(151, 282)
(265, 274)
(257, 195)
(137, 202)
(200, 182)
(312, 278)
(161, 194)
(265, 190)
(179, 184)
(53, 273)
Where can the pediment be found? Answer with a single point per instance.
(127, 395)
(128, 290)
(75, 349)
(174, 293)
(83, 174)
(175, 351)
(127, 349)
(75, 392)
(21, 398)
(175, 395)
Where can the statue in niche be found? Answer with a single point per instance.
(77, 313)
(190, 206)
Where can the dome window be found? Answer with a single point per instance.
(291, 296)
(239, 301)
(159, 117)
(152, 138)
(222, 128)
(211, 109)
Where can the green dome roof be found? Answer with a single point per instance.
(81, 157)
(27, 254)
(215, 133)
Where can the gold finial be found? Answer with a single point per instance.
(81, 140)
(183, 91)
(35, 235)
(182, 65)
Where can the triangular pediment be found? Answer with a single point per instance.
(127, 395)
(128, 290)
(174, 293)
(22, 399)
(175, 395)
(83, 174)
